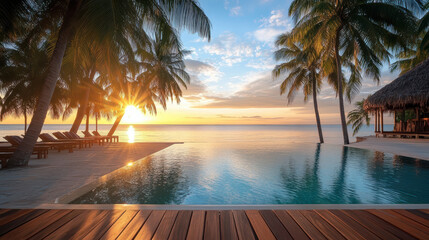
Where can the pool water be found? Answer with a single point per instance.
(266, 173)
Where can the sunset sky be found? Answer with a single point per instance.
(231, 74)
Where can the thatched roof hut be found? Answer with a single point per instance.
(410, 90)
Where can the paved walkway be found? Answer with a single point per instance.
(416, 148)
(44, 180)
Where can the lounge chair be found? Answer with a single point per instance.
(103, 138)
(73, 135)
(16, 140)
(61, 136)
(40, 151)
(46, 137)
(113, 137)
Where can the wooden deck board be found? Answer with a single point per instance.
(166, 224)
(213, 224)
(196, 227)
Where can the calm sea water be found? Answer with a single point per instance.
(210, 133)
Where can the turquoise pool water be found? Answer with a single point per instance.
(266, 173)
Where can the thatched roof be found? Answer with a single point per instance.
(407, 91)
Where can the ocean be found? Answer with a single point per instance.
(210, 133)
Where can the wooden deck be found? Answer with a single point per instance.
(235, 224)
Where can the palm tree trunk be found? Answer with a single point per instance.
(316, 111)
(22, 154)
(96, 122)
(25, 120)
(340, 87)
(81, 111)
(115, 125)
(87, 120)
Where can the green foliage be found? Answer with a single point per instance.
(358, 116)
(301, 68)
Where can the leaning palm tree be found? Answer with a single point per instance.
(303, 68)
(101, 20)
(358, 116)
(359, 31)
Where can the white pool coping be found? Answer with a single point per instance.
(231, 207)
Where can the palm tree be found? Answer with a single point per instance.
(358, 116)
(23, 76)
(303, 66)
(417, 51)
(359, 31)
(117, 19)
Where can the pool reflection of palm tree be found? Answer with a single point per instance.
(151, 181)
(341, 192)
(304, 190)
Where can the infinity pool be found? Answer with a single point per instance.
(266, 173)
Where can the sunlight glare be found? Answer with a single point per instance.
(132, 115)
(131, 134)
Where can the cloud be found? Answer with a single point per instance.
(260, 93)
(276, 19)
(229, 48)
(272, 26)
(267, 34)
(235, 11)
(203, 71)
(249, 117)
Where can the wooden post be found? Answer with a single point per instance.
(382, 121)
(375, 121)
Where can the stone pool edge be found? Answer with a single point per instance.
(232, 207)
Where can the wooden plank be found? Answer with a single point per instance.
(275, 225)
(31, 227)
(305, 225)
(103, 226)
(196, 227)
(167, 222)
(57, 224)
(10, 225)
(7, 212)
(116, 229)
(384, 224)
(291, 226)
(355, 225)
(369, 223)
(407, 220)
(324, 227)
(413, 217)
(149, 227)
(79, 226)
(136, 224)
(259, 226)
(399, 223)
(419, 213)
(211, 227)
(181, 225)
(12, 215)
(227, 226)
(242, 224)
(346, 230)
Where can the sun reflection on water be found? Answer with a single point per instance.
(131, 134)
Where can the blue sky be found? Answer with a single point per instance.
(231, 79)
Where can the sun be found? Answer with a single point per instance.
(133, 115)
